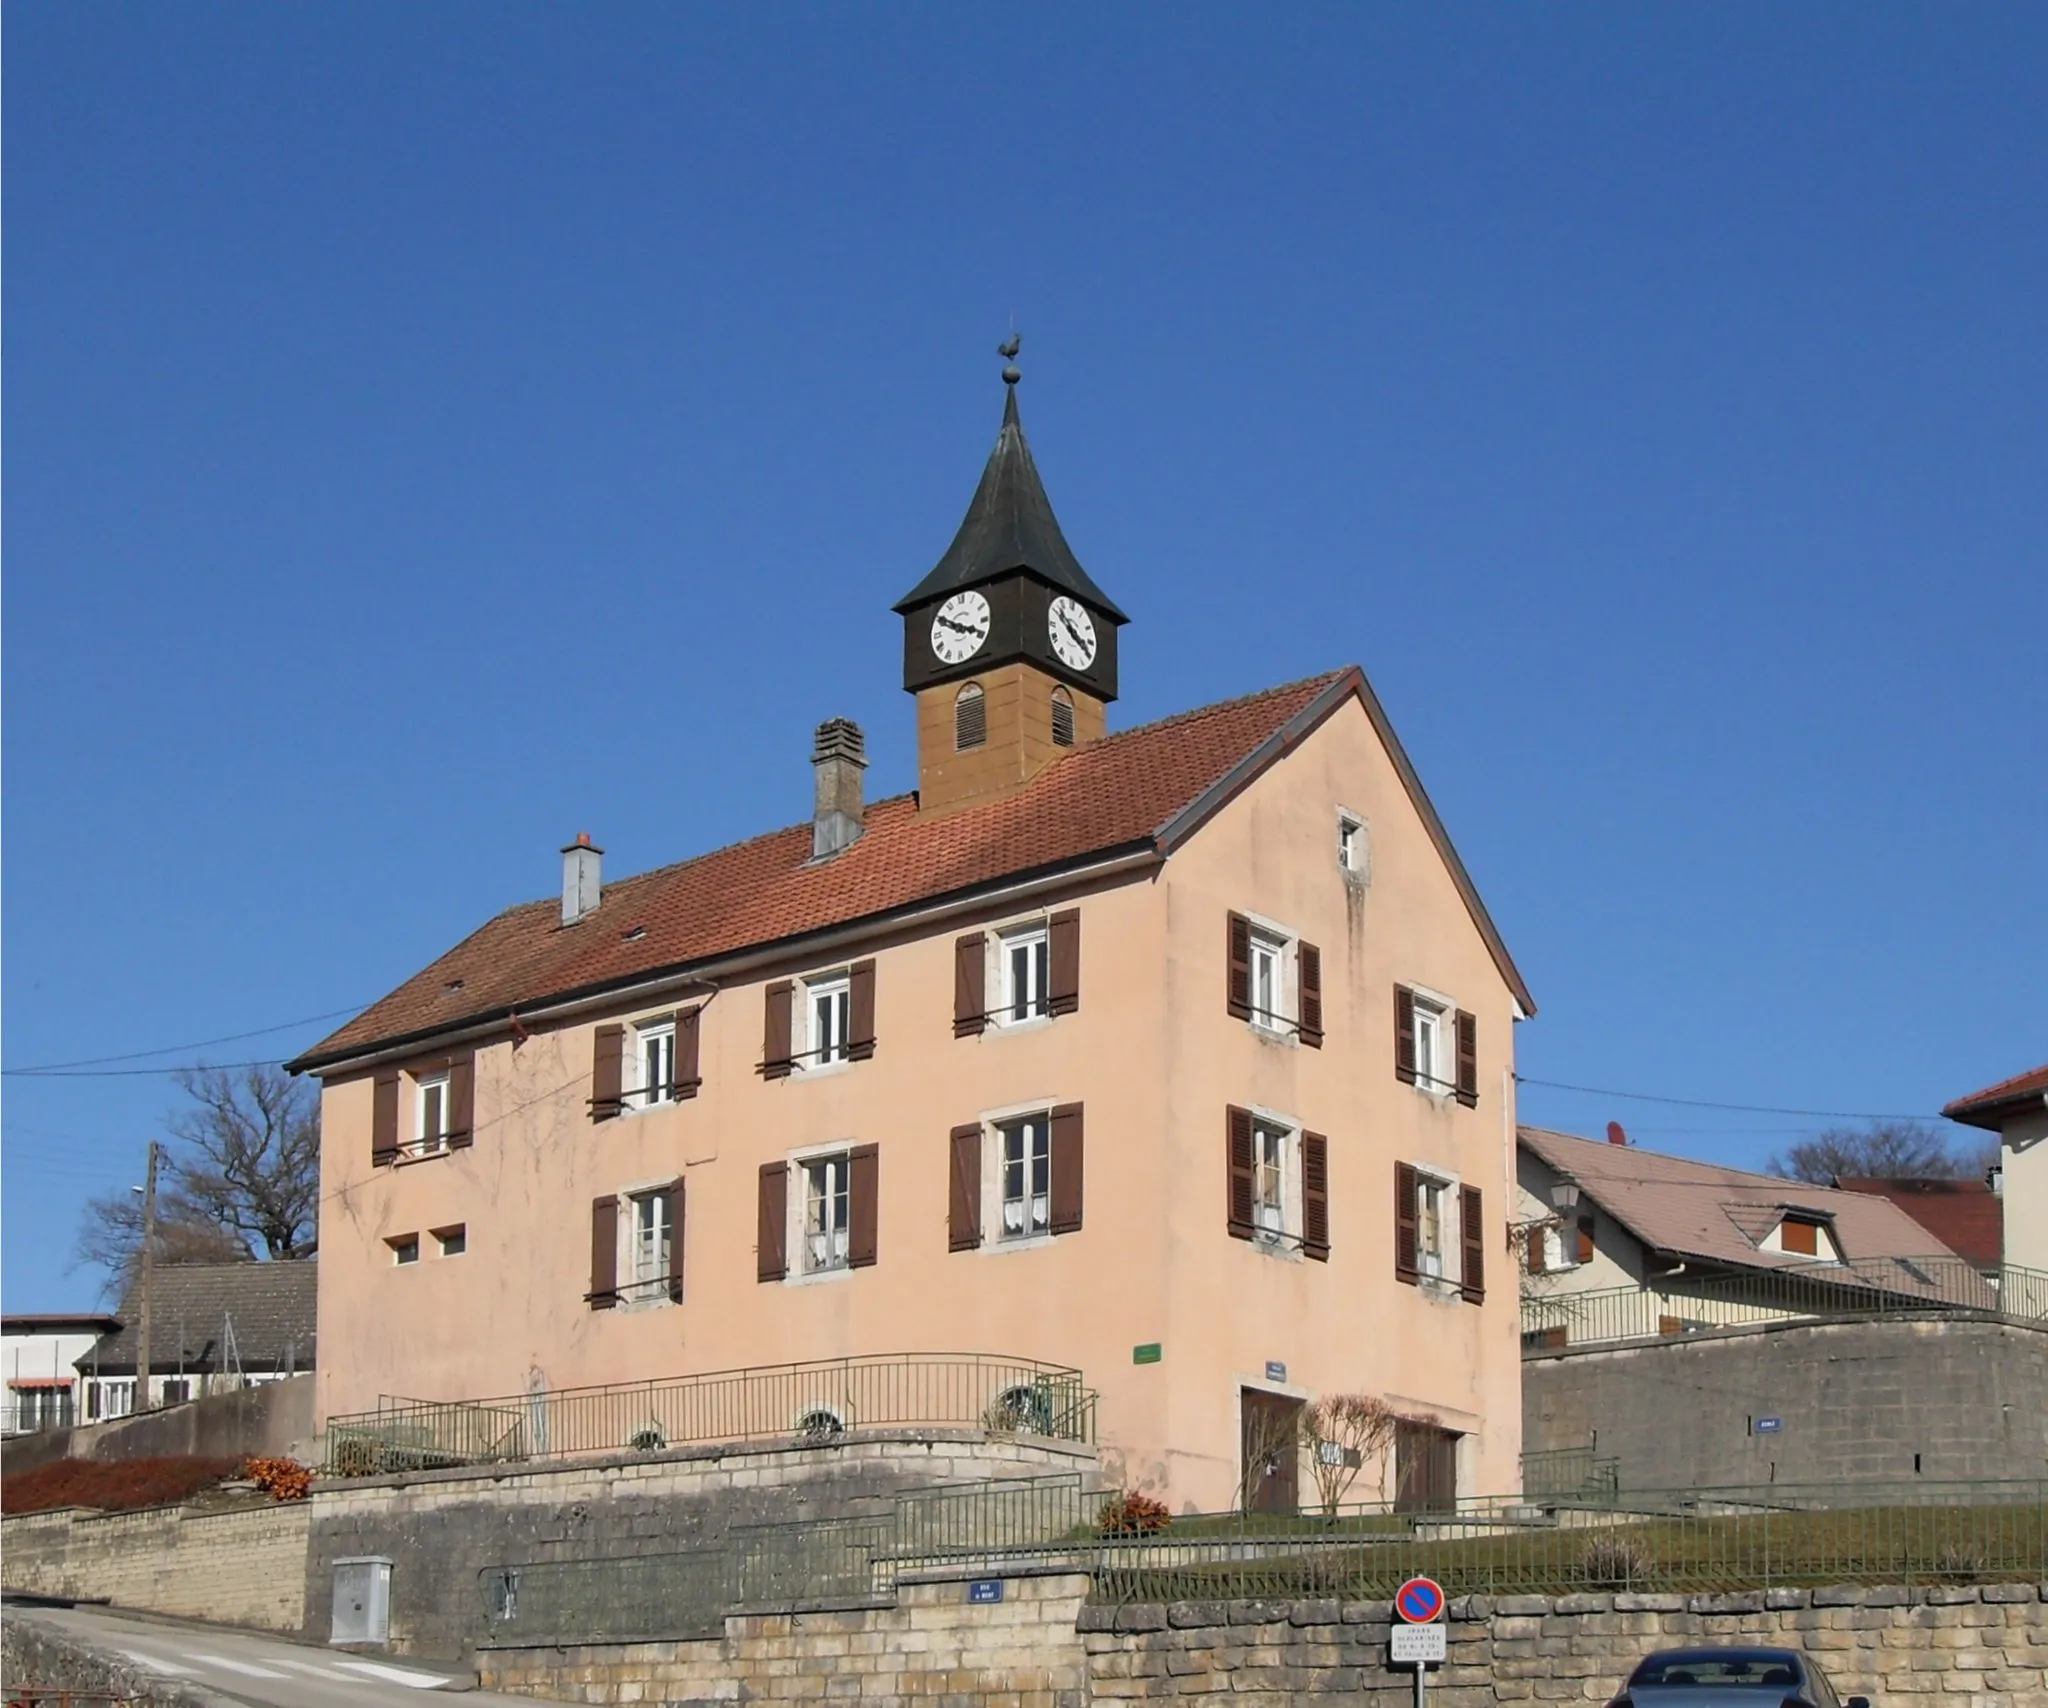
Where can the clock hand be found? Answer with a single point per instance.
(1067, 623)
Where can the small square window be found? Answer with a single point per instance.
(1026, 969)
(1351, 847)
(656, 1055)
(1026, 1175)
(827, 1212)
(453, 1242)
(828, 1004)
(430, 1106)
(405, 1248)
(1268, 980)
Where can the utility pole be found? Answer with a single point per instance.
(143, 1277)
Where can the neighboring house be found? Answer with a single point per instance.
(1662, 1245)
(36, 1352)
(213, 1326)
(2017, 1111)
(1182, 1055)
(1962, 1215)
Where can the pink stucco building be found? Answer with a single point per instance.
(1181, 1054)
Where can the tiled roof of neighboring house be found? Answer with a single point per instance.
(1989, 1107)
(269, 1305)
(1141, 791)
(1964, 1215)
(1702, 1211)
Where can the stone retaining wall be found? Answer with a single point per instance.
(1043, 1647)
(246, 1566)
(37, 1658)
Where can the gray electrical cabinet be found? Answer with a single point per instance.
(362, 1601)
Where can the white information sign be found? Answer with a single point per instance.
(1416, 1644)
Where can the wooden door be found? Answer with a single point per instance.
(1425, 1468)
(1271, 1450)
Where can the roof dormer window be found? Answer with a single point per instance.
(1803, 1235)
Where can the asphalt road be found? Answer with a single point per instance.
(259, 1672)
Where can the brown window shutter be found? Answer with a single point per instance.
(384, 1120)
(1586, 1239)
(1315, 1197)
(1239, 991)
(863, 1182)
(1472, 1237)
(1308, 963)
(1534, 1257)
(462, 1102)
(970, 985)
(688, 1074)
(769, 1262)
(860, 986)
(1670, 1327)
(1404, 1034)
(1238, 1136)
(1064, 994)
(675, 1241)
(775, 1057)
(963, 1189)
(1468, 1059)
(1066, 1169)
(607, 1072)
(1405, 1220)
(604, 1254)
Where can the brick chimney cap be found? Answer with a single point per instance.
(582, 841)
(840, 738)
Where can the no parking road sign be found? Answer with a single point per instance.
(1419, 1600)
(1420, 1641)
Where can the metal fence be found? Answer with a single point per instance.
(1561, 1471)
(1869, 1288)
(800, 1403)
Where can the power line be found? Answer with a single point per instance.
(1737, 1108)
(142, 1073)
(180, 1049)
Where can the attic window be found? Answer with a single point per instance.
(1062, 718)
(634, 935)
(452, 986)
(970, 718)
(1803, 1236)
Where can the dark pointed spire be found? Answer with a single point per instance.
(1010, 526)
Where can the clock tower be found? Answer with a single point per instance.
(1008, 644)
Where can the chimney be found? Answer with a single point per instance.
(838, 758)
(1615, 1135)
(582, 878)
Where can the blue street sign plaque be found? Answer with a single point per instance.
(1769, 1425)
(985, 1590)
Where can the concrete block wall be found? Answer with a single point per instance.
(441, 1529)
(1972, 1646)
(245, 1566)
(1941, 1400)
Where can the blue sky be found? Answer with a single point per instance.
(432, 431)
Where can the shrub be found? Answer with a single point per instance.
(281, 1479)
(1129, 1514)
(121, 1485)
(648, 1439)
(1962, 1562)
(1615, 1562)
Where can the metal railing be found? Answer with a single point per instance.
(784, 1566)
(1561, 1471)
(1671, 1308)
(803, 1404)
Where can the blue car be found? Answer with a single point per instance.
(1730, 1678)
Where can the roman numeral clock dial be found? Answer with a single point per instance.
(1072, 633)
(960, 628)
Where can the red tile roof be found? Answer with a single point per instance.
(1964, 1215)
(1986, 1108)
(1140, 791)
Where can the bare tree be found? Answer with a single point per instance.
(1272, 1437)
(242, 1173)
(1883, 1150)
(1343, 1432)
(248, 1155)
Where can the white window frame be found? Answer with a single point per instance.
(1354, 851)
(1442, 1014)
(1281, 1236)
(453, 1231)
(1274, 942)
(111, 1397)
(648, 1091)
(837, 1160)
(650, 1243)
(1448, 1258)
(397, 1245)
(433, 1142)
(1034, 1208)
(1035, 938)
(823, 1053)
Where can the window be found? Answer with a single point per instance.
(657, 1058)
(1351, 846)
(1062, 718)
(1431, 1196)
(827, 1206)
(452, 1241)
(1279, 1184)
(1806, 1236)
(829, 1006)
(1436, 1045)
(970, 718)
(1268, 981)
(174, 1390)
(405, 1248)
(1429, 1047)
(110, 1396)
(430, 1105)
(1026, 1176)
(1027, 965)
(1269, 1180)
(653, 1229)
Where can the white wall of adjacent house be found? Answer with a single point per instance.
(40, 1381)
(1581, 1250)
(2024, 1158)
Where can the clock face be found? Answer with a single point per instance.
(960, 628)
(1072, 632)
